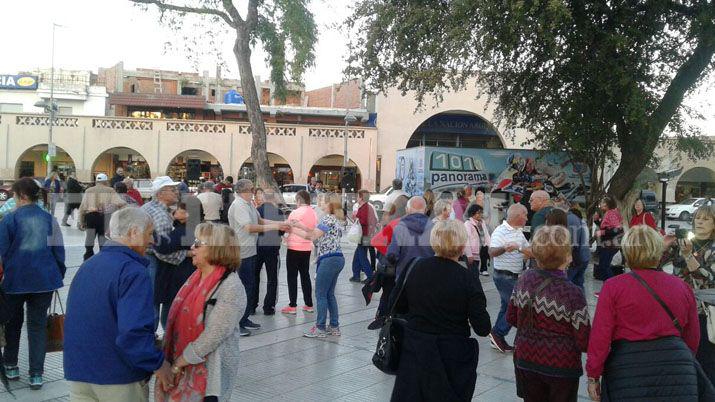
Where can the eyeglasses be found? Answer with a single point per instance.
(198, 243)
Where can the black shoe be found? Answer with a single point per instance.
(377, 324)
(355, 280)
(269, 311)
(244, 332)
(252, 325)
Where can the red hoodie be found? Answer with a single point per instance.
(383, 238)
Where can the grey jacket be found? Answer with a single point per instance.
(218, 344)
(410, 239)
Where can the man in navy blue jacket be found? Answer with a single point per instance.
(109, 352)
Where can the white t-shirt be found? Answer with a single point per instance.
(212, 204)
(512, 261)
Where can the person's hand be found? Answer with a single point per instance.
(285, 227)
(594, 390)
(509, 247)
(82, 226)
(686, 248)
(164, 377)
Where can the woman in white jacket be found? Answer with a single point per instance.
(477, 249)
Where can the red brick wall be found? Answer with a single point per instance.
(347, 95)
(144, 85)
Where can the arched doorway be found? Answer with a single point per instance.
(282, 172)
(328, 168)
(133, 163)
(695, 182)
(33, 162)
(194, 164)
(456, 128)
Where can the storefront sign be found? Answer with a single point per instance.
(18, 81)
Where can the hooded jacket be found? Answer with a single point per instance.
(410, 239)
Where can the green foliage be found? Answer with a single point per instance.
(588, 77)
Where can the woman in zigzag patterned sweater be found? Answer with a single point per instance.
(552, 321)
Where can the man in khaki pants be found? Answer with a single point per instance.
(109, 352)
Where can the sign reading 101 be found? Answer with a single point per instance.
(445, 161)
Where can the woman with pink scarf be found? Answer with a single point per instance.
(609, 237)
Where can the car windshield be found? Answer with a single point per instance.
(689, 201)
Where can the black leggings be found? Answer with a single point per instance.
(299, 262)
(484, 258)
(211, 399)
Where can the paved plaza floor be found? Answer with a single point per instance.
(278, 363)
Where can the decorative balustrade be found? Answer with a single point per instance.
(334, 132)
(195, 127)
(39, 120)
(123, 124)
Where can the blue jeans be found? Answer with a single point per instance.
(152, 268)
(247, 273)
(361, 262)
(37, 306)
(328, 271)
(575, 274)
(505, 286)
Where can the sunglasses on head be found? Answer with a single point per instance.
(198, 243)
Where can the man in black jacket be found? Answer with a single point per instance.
(73, 197)
(269, 245)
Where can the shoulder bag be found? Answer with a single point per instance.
(56, 325)
(389, 342)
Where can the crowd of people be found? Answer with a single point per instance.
(191, 264)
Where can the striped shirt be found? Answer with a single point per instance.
(163, 225)
(512, 261)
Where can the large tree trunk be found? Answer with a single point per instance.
(242, 51)
(629, 168)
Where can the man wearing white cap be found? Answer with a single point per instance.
(164, 195)
(98, 204)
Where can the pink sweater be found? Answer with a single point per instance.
(306, 216)
(473, 244)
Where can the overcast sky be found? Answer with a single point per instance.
(99, 33)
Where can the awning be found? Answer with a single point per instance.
(158, 100)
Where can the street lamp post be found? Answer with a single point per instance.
(51, 107)
(349, 118)
(664, 182)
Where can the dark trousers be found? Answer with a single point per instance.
(299, 262)
(605, 256)
(95, 222)
(373, 257)
(535, 387)
(388, 283)
(484, 258)
(706, 351)
(271, 259)
(37, 306)
(247, 274)
(575, 273)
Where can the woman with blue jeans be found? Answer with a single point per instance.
(326, 237)
(33, 258)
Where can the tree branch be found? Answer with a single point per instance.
(231, 10)
(184, 9)
(252, 15)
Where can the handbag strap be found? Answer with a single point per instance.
(404, 282)
(57, 300)
(659, 300)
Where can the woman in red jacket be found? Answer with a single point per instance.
(641, 216)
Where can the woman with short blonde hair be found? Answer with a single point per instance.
(201, 339)
(442, 210)
(552, 321)
(646, 321)
(440, 299)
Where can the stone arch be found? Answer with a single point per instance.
(193, 163)
(456, 128)
(283, 171)
(134, 163)
(328, 167)
(698, 181)
(32, 162)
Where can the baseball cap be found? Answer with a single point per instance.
(102, 177)
(162, 181)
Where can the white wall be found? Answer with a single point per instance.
(83, 103)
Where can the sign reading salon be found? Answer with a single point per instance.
(20, 81)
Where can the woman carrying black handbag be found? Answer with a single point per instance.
(439, 300)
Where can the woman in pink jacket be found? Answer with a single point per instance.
(298, 255)
(478, 239)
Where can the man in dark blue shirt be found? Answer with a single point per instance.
(109, 352)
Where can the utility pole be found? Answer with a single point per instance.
(51, 150)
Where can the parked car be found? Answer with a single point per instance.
(651, 202)
(5, 192)
(144, 188)
(289, 190)
(378, 199)
(685, 209)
